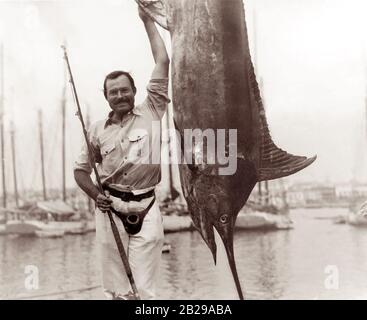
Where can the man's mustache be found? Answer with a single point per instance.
(121, 100)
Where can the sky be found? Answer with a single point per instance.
(310, 56)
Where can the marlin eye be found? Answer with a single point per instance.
(223, 218)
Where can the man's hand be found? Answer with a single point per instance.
(127, 208)
(143, 16)
(103, 202)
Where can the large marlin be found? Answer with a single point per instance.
(214, 87)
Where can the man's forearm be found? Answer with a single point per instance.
(156, 42)
(85, 182)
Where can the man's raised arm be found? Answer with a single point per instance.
(158, 47)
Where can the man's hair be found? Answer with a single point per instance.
(115, 74)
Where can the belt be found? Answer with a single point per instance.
(134, 221)
(128, 196)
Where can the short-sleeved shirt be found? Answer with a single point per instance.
(128, 154)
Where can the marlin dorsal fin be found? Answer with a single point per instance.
(274, 162)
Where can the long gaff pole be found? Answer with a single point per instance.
(63, 116)
(115, 231)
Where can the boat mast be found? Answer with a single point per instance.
(12, 134)
(42, 154)
(63, 114)
(267, 200)
(173, 192)
(2, 125)
(365, 98)
(87, 123)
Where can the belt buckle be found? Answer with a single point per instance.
(125, 197)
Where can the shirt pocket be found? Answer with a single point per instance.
(107, 149)
(108, 157)
(139, 144)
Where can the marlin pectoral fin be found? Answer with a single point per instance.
(156, 9)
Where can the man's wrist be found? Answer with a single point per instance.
(148, 21)
(95, 194)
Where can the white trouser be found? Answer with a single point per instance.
(144, 251)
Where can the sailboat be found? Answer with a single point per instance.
(64, 217)
(50, 218)
(34, 218)
(358, 218)
(47, 218)
(6, 213)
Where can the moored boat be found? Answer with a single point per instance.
(262, 220)
(263, 217)
(50, 233)
(175, 223)
(47, 215)
(358, 217)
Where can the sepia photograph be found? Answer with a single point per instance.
(183, 150)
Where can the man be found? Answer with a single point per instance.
(123, 146)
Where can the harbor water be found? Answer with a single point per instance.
(318, 259)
